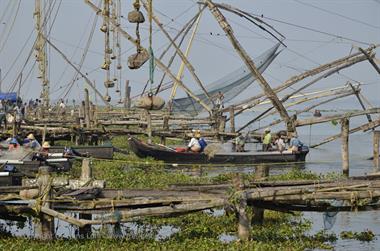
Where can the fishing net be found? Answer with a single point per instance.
(212, 149)
(230, 86)
(329, 218)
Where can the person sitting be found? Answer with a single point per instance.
(31, 142)
(13, 144)
(43, 153)
(267, 140)
(280, 144)
(295, 144)
(194, 145)
(202, 143)
(240, 143)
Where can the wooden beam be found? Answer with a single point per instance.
(370, 59)
(249, 63)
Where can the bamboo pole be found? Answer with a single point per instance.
(250, 64)
(335, 117)
(364, 127)
(185, 61)
(295, 79)
(232, 119)
(345, 150)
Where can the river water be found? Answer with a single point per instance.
(325, 159)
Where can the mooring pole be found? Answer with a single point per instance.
(166, 129)
(149, 126)
(261, 172)
(127, 98)
(345, 150)
(45, 226)
(376, 139)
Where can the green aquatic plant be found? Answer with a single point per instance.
(367, 235)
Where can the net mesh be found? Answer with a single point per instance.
(230, 85)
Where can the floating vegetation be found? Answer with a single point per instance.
(367, 235)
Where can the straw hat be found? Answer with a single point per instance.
(31, 136)
(46, 145)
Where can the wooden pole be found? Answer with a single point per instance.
(250, 64)
(86, 170)
(261, 172)
(166, 128)
(45, 226)
(376, 139)
(44, 133)
(244, 227)
(127, 98)
(345, 150)
(87, 108)
(149, 126)
(232, 119)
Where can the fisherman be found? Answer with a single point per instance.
(194, 145)
(240, 143)
(295, 144)
(31, 142)
(267, 140)
(280, 144)
(219, 100)
(43, 153)
(13, 144)
(202, 142)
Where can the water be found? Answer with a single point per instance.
(325, 159)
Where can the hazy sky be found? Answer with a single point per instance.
(316, 31)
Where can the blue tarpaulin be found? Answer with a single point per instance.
(12, 96)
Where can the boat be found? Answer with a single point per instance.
(27, 166)
(101, 152)
(168, 155)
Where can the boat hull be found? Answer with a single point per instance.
(100, 152)
(144, 150)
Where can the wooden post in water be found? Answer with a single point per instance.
(87, 108)
(261, 172)
(244, 226)
(376, 139)
(149, 126)
(45, 226)
(345, 150)
(127, 98)
(86, 175)
(166, 129)
(232, 119)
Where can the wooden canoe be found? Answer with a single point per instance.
(168, 155)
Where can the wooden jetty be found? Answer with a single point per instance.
(48, 198)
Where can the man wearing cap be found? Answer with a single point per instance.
(43, 153)
(194, 145)
(267, 140)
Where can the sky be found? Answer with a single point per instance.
(316, 31)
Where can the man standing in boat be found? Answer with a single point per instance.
(267, 140)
